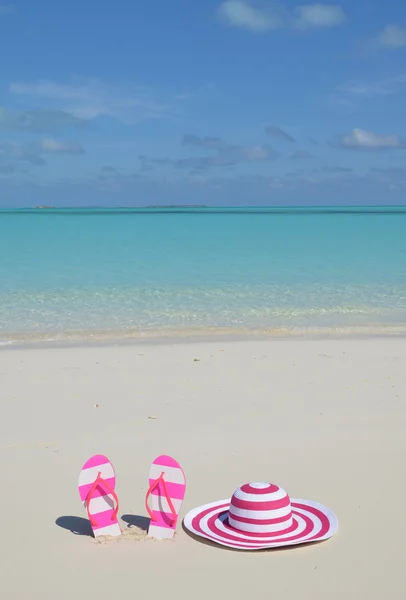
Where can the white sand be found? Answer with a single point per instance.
(326, 420)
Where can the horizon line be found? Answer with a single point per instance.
(204, 206)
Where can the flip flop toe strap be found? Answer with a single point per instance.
(99, 481)
(152, 487)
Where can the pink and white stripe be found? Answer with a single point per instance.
(259, 516)
(102, 503)
(163, 523)
(260, 508)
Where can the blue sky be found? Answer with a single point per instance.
(240, 102)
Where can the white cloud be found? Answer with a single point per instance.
(239, 13)
(16, 153)
(38, 120)
(360, 139)
(382, 87)
(257, 153)
(52, 146)
(347, 97)
(319, 15)
(393, 36)
(269, 16)
(13, 155)
(88, 99)
(223, 154)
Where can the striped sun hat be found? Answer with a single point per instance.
(261, 515)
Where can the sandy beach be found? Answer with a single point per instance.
(324, 419)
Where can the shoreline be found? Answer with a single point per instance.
(123, 339)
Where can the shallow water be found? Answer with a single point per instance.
(118, 273)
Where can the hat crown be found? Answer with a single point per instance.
(260, 508)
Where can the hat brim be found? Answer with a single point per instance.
(312, 522)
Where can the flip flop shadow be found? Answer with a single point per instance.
(136, 521)
(76, 525)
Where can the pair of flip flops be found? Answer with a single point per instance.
(256, 517)
(166, 491)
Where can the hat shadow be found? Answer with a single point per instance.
(207, 542)
(136, 521)
(76, 525)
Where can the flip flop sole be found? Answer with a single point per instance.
(101, 505)
(164, 525)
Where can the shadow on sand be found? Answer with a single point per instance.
(136, 521)
(76, 525)
(81, 526)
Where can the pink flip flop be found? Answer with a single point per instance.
(97, 481)
(167, 488)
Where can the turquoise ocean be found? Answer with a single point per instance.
(112, 274)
